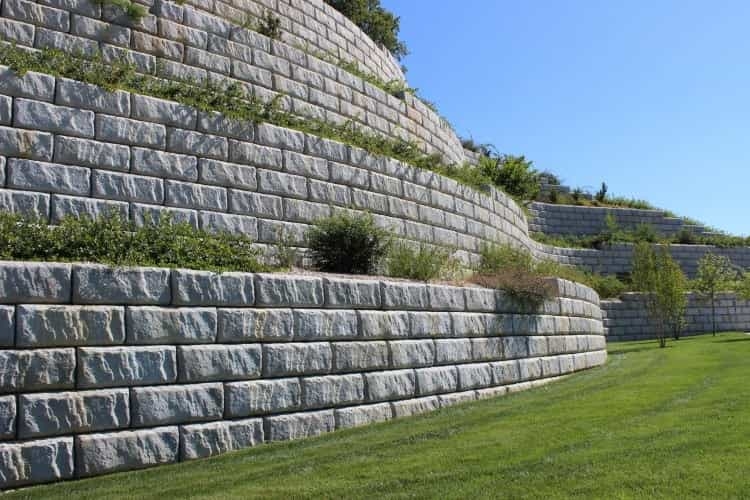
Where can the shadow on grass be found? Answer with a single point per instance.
(648, 347)
(721, 341)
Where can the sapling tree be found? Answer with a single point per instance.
(664, 284)
(715, 273)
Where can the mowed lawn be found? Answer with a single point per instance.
(671, 422)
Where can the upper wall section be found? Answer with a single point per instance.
(563, 220)
(205, 40)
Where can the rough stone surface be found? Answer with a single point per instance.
(440, 379)
(356, 416)
(97, 284)
(7, 326)
(158, 325)
(381, 324)
(125, 450)
(412, 353)
(260, 397)
(218, 362)
(204, 288)
(125, 366)
(333, 390)
(58, 325)
(299, 425)
(39, 461)
(359, 294)
(213, 438)
(282, 290)
(384, 386)
(297, 358)
(311, 324)
(172, 404)
(38, 369)
(7, 417)
(50, 414)
(34, 282)
(412, 407)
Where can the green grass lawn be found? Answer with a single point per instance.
(671, 422)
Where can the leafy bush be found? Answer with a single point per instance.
(112, 240)
(527, 289)
(379, 24)
(494, 258)
(419, 262)
(513, 174)
(347, 243)
(645, 232)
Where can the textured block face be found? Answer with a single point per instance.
(474, 376)
(359, 294)
(130, 132)
(446, 298)
(362, 415)
(39, 461)
(320, 324)
(162, 164)
(31, 84)
(261, 397)
(7, 326)
(165, 405)
(205, 288)
(333, 390)
(412, 407)
(296, 359)
(158, 325)
(248, 325)
(488, 348)
(58, 325)
(125, 187)
(170, 113)
(360, 356)
(530, 368)
(37, 115)
(36, 145)
(124, 366)
(437, 380)
(469, 324)
(205, 440)
(384, 386)
(7, 417)
(34, 282)
(300, 425)
(39, 369)
(505, 372)
(430, 324)
(48, 177)
(107, 285)
(227, 174)
(412, 353)
(379, 324)
(86, 96)
(550, 367)
(448, 351)
(50, 414)
(219, 362)
(281, 291)
(125, 450)
(515, 347)
(404, 296)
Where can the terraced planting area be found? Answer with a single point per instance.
(650, 423)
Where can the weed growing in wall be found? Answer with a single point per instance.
(347, 243)
(133, 10)
(420, 262)
(112, 240)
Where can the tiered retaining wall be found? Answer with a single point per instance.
(627, 319)
(563, 220)
(206, 41)
(108, 369)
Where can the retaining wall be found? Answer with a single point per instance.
(205, 40)
(108, 369)
(563, 220)
(627, 319)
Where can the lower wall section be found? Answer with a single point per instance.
(110, 369)
(627, 318)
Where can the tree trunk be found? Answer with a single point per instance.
(713, 312)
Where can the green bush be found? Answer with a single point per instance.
(347, 243)
(513, 174)
(379, 24)
(112, 240)
(494, 258)
(420, 262)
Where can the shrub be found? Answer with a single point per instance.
(494, 258)
(379, 24)
(347, 243)
(513, 174)
(645, 232)
(527, 289)
(112, 240)
(601, 195)
(419, 262)
(685, 237)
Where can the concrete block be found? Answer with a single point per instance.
(487, 349)
(26, 143)
(299, 425)
(447, 400)
(125, 366)
(8, 417)
(91, 97)
(163, 164)
(402, 295)
(33, 85)
(441, 379)
(356, 294)
(312, 324)
(160, 325)
(332, 390)
(51, 414)
(206, 363)
(450, 351)
(98, 284)
(474, 376)
(412, 407)
(280, 290)
(126, 187)
(60, 325)
(207, 288)
(247, 325)
(48, 177)
(356, 416)
(38, 369)
(296, 359)
(172, 404)
(384, 324)
(130, 132)
(29, 282)
(260, 397)
(33, 462)
(396, 384)
(213, 438)
(125, 450)
(196, 196)
(226, 174)
(360, 356)
(412, 353)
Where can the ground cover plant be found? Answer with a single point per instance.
(651, 423)
(112, 240)
(378, 23)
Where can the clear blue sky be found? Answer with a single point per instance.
(652, 97)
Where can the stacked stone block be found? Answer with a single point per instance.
(107, 369)
(206, 41)
(565, 220)
(626, 318)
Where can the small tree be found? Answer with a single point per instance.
(714, 273)
(664, 285)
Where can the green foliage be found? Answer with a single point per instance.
(715, 273)
(645, 232)
(133, 10)
(496, 257)
(664, 284)
(601, 195)
(420, 262)
(378, 23)
(605, 286)
(347, 243)
(270, 26)
(513, 174)
(112, 240)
